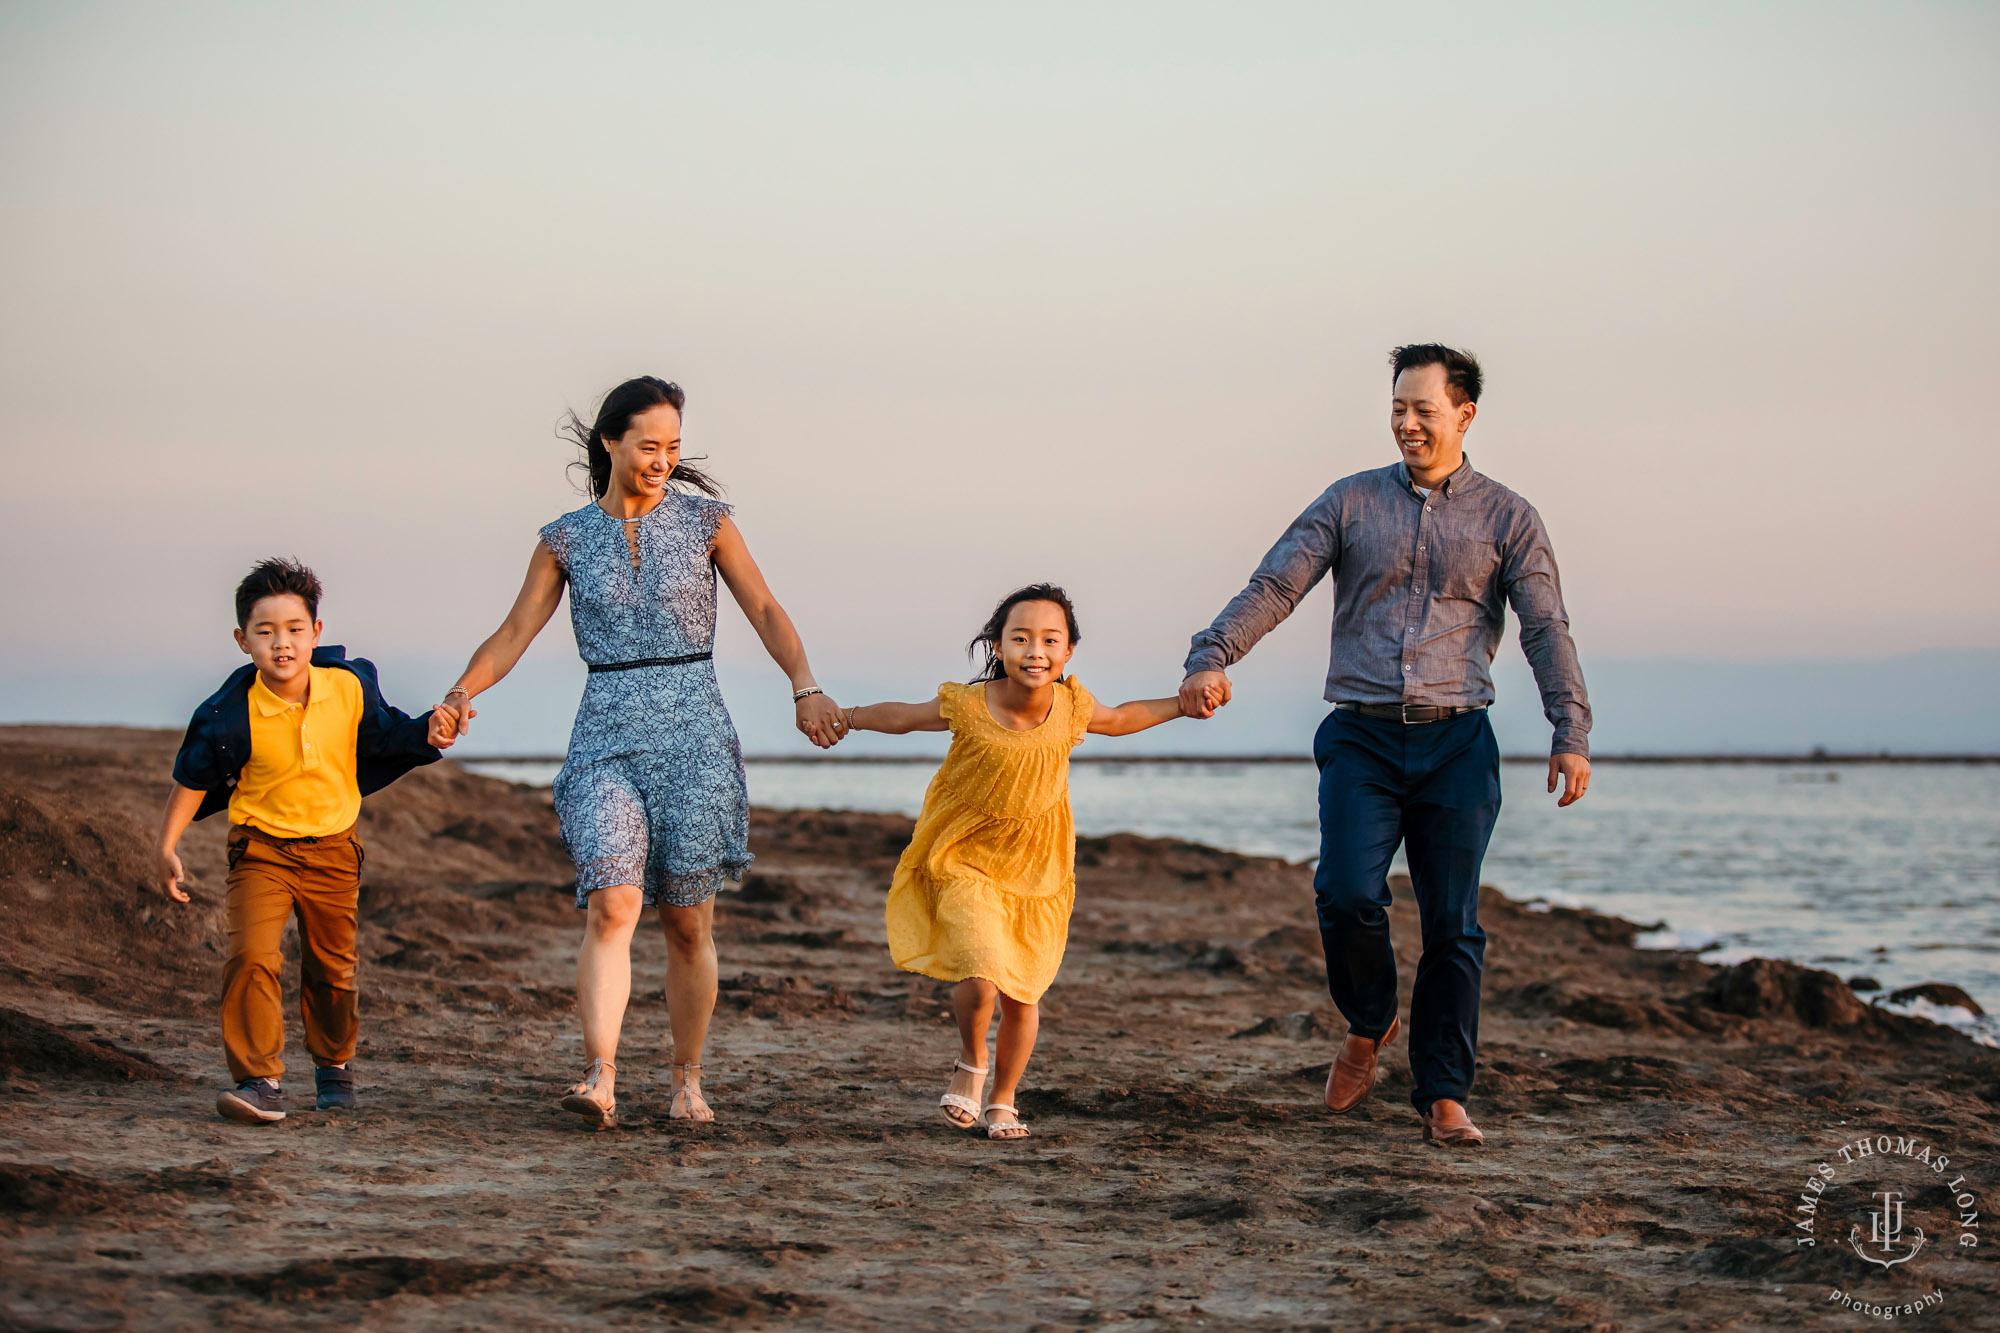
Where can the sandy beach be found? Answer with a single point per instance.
(1650, 1118)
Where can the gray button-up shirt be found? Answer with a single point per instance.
(1421, 587)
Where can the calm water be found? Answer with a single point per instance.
(1886, 871)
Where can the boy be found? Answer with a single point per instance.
(289, 745)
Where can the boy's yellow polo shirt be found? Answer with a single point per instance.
(299, 782)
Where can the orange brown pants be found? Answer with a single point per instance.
(269, 881)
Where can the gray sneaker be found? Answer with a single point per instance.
(335, 1085)
(254, 1101)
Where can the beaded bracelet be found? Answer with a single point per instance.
(810, 689)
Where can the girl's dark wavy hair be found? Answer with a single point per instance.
(614, 418)
(996, 625)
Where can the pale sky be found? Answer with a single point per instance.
(968, 297)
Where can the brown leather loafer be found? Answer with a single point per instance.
(1353, 1072)
(1446, 1125)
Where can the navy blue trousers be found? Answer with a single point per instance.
(1435, 788)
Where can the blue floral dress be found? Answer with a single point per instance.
(651, 792)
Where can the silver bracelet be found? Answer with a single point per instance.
(458, 689)
(810, 689)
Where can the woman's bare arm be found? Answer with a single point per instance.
(817, 715)
(897, 719)
(540, 595)
(1137, 715)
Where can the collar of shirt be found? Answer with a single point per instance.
(1449, 485)
(268, 704)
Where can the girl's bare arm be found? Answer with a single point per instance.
(1137, 715)
(897, 719)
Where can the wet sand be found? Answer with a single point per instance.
(1649, 1118)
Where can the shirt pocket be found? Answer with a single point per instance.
(1469, 567)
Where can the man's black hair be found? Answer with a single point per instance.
(274, 578)
(1462, 377)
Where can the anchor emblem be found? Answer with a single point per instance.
(1885, 1229)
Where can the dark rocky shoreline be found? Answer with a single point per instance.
(1650, 1117)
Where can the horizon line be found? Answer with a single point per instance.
(1816, 758)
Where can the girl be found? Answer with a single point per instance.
(651, 795)
(982, 897)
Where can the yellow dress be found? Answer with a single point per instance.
(987, 884)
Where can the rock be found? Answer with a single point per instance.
(1767, 988)
(1300, 1026)
(1219, 959)
(1863, 984)
(1937, 992)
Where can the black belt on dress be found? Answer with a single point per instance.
(1410, 714)
(651, 661)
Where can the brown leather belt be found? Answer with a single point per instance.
(1410, 715)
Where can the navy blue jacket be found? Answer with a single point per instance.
(388, 743)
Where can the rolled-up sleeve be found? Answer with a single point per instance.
(1302, 557)
(1534, 590)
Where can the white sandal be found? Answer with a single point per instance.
(579, 1100)
(1013, 1129)
(951, 1101)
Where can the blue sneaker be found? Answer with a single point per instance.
(336, 1088)
(254, 1101)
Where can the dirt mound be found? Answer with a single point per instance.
(1194, 955)
(367, 1278)
(1303, 1025)
(33, 1191)
(1592, 1007)
(76, 886)
(1165, 1106)
(1294, 950)
(777, 897)
(47, 839)
(1766, 988)
(863, 841)
(783, 997)
(702, 1303)
(79, 817)
(30, 1046)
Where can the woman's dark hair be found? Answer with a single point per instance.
(614, 418)
(275, 578)
(1462, 377)
(996, 625)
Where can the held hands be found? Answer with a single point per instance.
(1203, 693)
(451, 719)
(1575, 771)
(820, 720)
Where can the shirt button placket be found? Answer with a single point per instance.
(1421, 575)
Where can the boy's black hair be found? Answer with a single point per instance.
(1462, 377)
(996, 625)
(275, 578)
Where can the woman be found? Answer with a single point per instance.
(651, 796)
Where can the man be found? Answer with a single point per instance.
(1426, 555)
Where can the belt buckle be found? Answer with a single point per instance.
(1408, 721)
